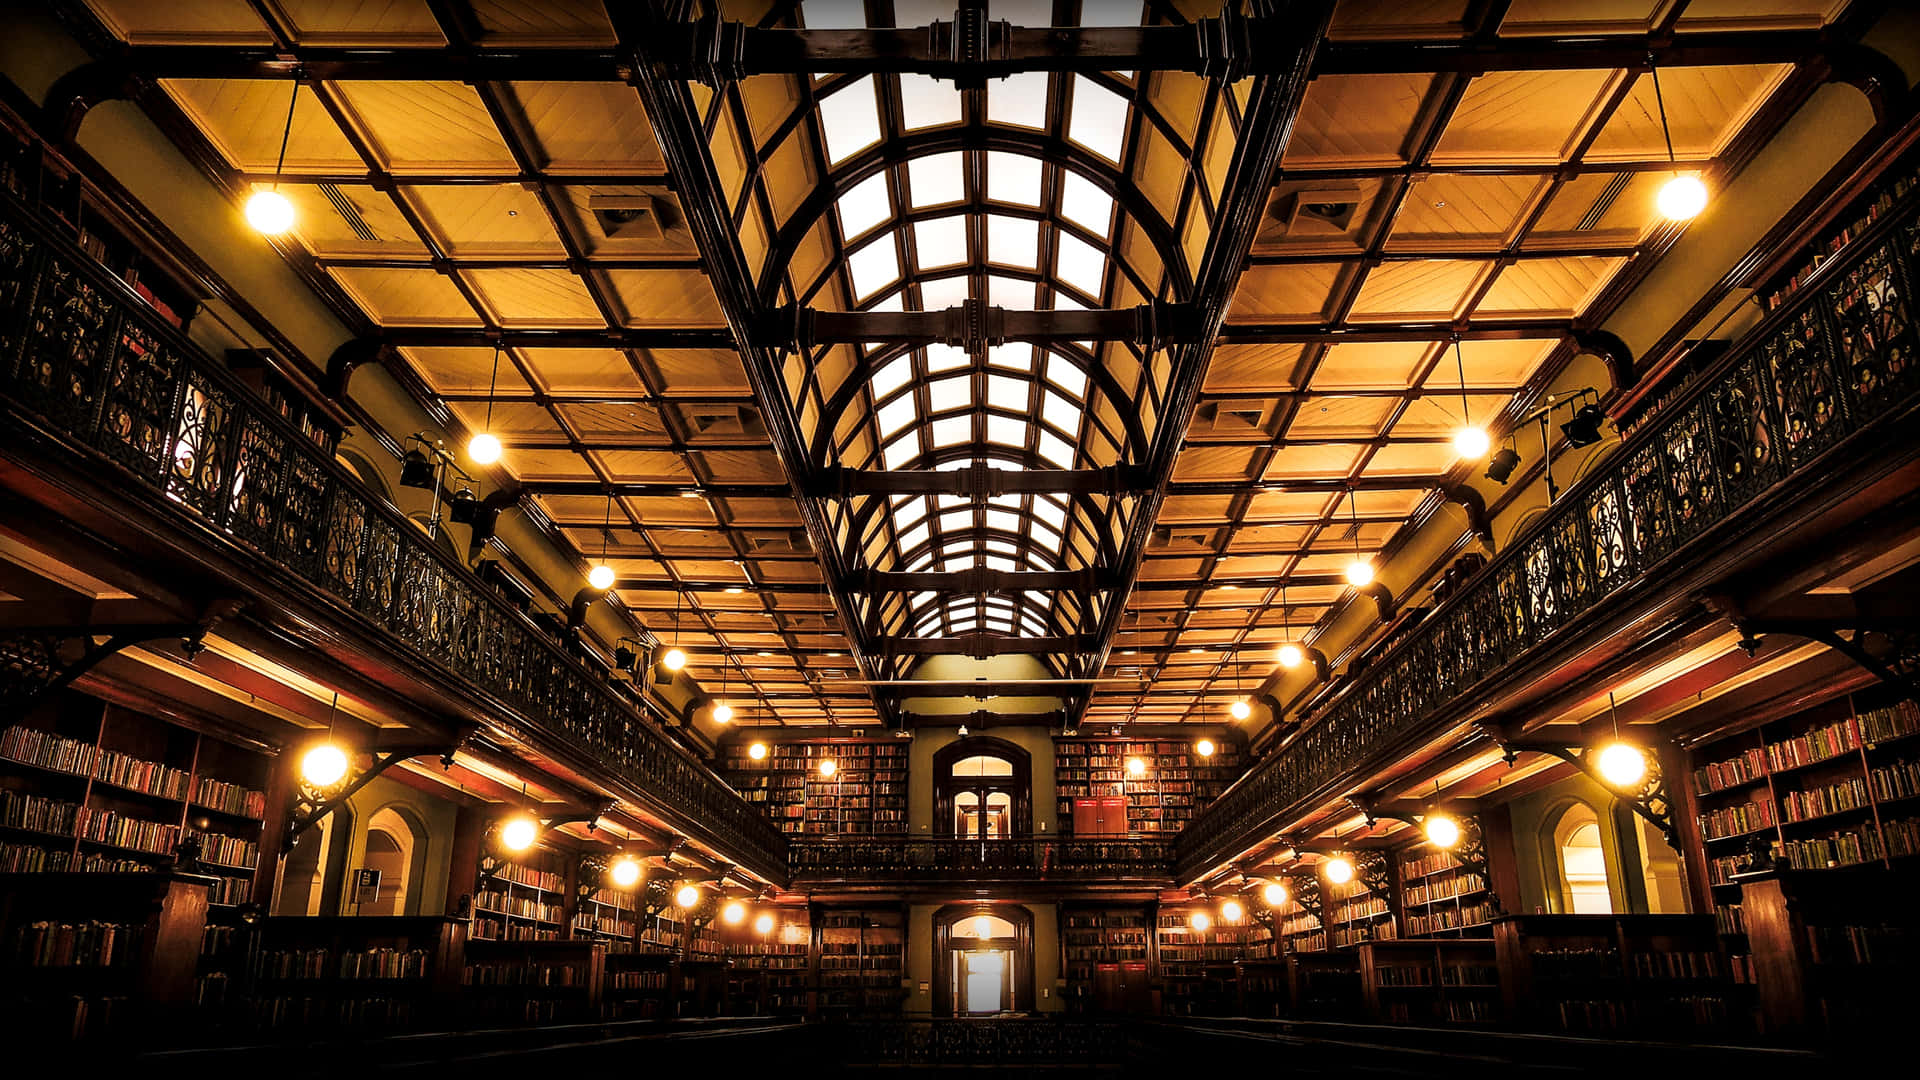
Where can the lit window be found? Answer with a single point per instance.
(1056, 450)
(1006, 393)
(892, 377)
(1013, 178)
(1018, 357)
(936, 180)
(927, 102)
(952, 431)
(1019, 100)
(913, 537)
(1010, 293)
(865, 206)
(1003, 521)
(1060, 412)
(1045, 538)
(1050, 512)
(1067, 375)
(952, 393)
(851, 118)
(1006, 431)
(1080, 265)
(956, 520)
(999, 562)
(897, 414)
(900, 451)
(1099, 118)
(1013, 241)
(945, 357)
(1083, 203)
(940, 242)
(874, 267)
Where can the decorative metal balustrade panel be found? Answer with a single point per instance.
(84, 356)
(946, 860)
(1842, 353)
(983, 1043)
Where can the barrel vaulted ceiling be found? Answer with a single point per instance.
(1479, 169)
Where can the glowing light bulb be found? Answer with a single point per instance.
(722, 713)
(687, 896)
(519, 833)
(763, 924)
(1339, 870)
(758, 751)
(1136, 767)
(1291, 655)
(1442, 831)
(1200, 920)
(828, 766)
(324, 766)
(1204, 748)
(484, 449)
(1274, 894)
(269, 212)
(674, 660)
(1240, 710)
(601, 577)
(1621, 765)
(1359, 572)
(1682, 198)
(734, 913)
(626, 872)
(1231, 911)
(1471, 443)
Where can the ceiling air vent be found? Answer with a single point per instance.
(1322, 210)
(627, 216)
(720, 419)
(349, 213)
(1604, 203)
(758, 543)
(1183, 538)
(1229, 416)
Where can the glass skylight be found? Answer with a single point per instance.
(940, 242)
(1099, 118)
(866, 206)
(1013, 241)
(1019, 100)
(928, 102)
(1083, 203)
(850, 117)
(873, 267)
(1013, 178)
(936, 180)
(1079, 264)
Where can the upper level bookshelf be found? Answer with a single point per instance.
(1175, 784)
(1439, 897)
(865, 796)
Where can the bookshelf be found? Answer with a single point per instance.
(637, 985)
(1441, 898)
(1091, 774)
(534, 982)
(1431, 982)
(1105, 957)
(356, 974)
(866, 796)
(524, 901)
(1264, 991)
(1833, 951)
(607, 915)
(1617, 974)
(1325, 985)
(1354, 914)
(861, 958)
(91, 787)
(1197, 975)
(91, 956)
(783, 961)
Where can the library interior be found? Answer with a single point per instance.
(957, 535)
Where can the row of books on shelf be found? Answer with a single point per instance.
(526, 907)
(1442, 919)
(1866, 843)
(1859, 946)
(603, 925)
(1607, 962)
(545, 880)
(1427, 865)
(1366, 907)
(49, 750)
(1383, 930)
(1199, 954)
(35, 859)
(1122, 922)
(90, 944)
(1738, 820)
(491, 929)
(357, 964)
(1462, 975)
(1870, 728)
(848, 948)
(1109, 954)
(1427, 892)
(226, 850)
(518, 974)
(637, 980)
(1889, 193)
(1673, 1012)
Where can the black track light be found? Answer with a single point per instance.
(1584, 428)
(1500, 467)
(416, 471)
(464, 507)
(624, 657)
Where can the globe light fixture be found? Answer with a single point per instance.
(269, 212)
(1682, 198)
(757, 752)
(1200, 921)
(734, 913)
(1621, 765)
(1240, 710)
(828, 767)
(674, 660)
(1136, 767)
(1204, 748)
(763, 924)
(1471, 443)
(1274, 893)
(687, 896)
(1359, 572)
(1442, 831)
(519, 833)
(626, 872)
(484, 449)
(1291, 655)
(1339, 869)
(1231, 911)
(722, 713)
(601, 577)
(324, 766)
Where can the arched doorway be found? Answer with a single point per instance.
(983, 960)
(311, 875)
(1580, 858)
(393, 847)
(983, 789)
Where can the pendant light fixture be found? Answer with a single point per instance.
(270, 212)
(674, 659)
(1684, 196)
(601, 576)
(1360, 570)
(1240, 710)
(1470, 442)
(326, 764)
(723, 712)
(1290, 652)
(1622, 765)
(484, 448)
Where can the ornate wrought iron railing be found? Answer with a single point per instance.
(1032, 858)
(84, 358)
(1007, 1043)
(1840, 354)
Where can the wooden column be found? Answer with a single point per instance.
(283, 784)
(463, 862)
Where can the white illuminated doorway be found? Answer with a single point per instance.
(984, 982)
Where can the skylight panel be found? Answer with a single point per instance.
(1003, 520)
(1066, 375)
(850, 117)
(834, 14)
(1050, 512)
(1006, 430)
(936, 180)
(909, 13)
(954, 393)
(1083, 203)
(1060, 412)
(1013, 178)
(1110, 12)
(1005, 392)
(956, 520)
(866, 205)
(942, 293)
(897, 414)
(952, 431)
(874, 267)
(927, 102)
(965, 626)
(1044, 537)
(1019, 100)
(1010, 293)
(907, 512)
(1013, 241)
(1018, 357)
(1002, 547)
(1099, 118)
(892, 377)
(1055, 449)
(1079, 264)
(999, 562)
(914, 537)
(1021, 12)
(947, 502)
(1009, 501)
(900, 451)
(945, 357)
(940, 242)
(958, 563)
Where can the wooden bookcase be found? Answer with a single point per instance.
(606, 914)
(1264, 989)
(1105, 957)
(1441, 898)
(1197, 973)
(861, 956)
(1833, 952)
(357, 974)
(1177, 784)
(90, 786)
(534, 982)
(525, 901)
(638, 985)
(1632, 974)
(1430, 982)
(1325, 985)
(866, 795)
(1355, 914)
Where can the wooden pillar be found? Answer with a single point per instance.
(463, 862)
(283, 785)
(1685, 807)
(1780, 957)
(1503, 866)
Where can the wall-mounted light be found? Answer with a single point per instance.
(1621, 765)
(1441, 830)
(323, 766)
(763, 924)
(1339, 869)
(626, 872)
(1500, 467)
(1584, 428)
(1231, 911)
(519, 832)
(687, 897)
(734, 913)
(1274, 893)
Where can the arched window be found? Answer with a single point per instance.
(1582, 862)
(983, 790)
(393, 848)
